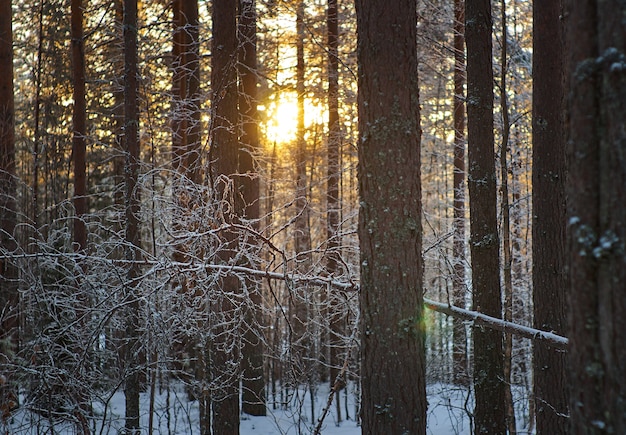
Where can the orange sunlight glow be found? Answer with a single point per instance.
(282, 117)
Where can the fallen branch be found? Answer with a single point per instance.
(550, 338)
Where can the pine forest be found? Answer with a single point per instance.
(312, 217)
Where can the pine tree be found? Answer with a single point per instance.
(549, 172)
(390, 229)
(489, 413)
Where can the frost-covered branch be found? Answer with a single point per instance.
(550, 338)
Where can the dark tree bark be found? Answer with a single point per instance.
(459, 350)
(193, 97)
(132, 208)
(548, 211)
(507, 250)
(179, 91)
(390, 230)
(301, 341)
(488, 344)
(225, 354)
(253, 382)
(79, 119)
(302, 233)
(186, 162)
(9, 297)
(596, 215)
(186, 125)
(333, 206)
(118, 109)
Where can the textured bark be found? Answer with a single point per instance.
(9, 297)
(596, 214)
(390, 230)
(79, 119)
(488, 344)
(225, 354)
(459, 350)
(548, 202)
(132, 208)
(253, 382)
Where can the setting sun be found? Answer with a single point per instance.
(282, 117)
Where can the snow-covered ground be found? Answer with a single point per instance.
(173, 414)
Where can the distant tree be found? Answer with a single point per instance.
(302, 302)
(333, 205)
(253, 382)
(79, 119)
(118, 106)
(9, 298)
(596, 215)
(390, 229)
(548, 210)
(489, 385)
(505, 210)
(186, 162)
(224, 142)
(186, 88)
(132, 208)
(459, 350)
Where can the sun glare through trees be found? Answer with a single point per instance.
(280, 118)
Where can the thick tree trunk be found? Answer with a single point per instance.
(548, 211)
(9, 297)
(488, 344)
(596, 215)
(225, 344)
(132, 236)
(390, 230)
(253, 382)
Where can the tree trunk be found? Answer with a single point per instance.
(253, 382)
(488, 347)
(186, 137)
(459, 350)
(507, 251)
(79, 119)
(118, 111)
(390, 230)
(132, 235)
(596, 214)
(225, 343)
(548, 210)
(9, 297)
(333, 205)
(302, 341)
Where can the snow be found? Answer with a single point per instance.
(446, 415)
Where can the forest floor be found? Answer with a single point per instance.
(175, 415)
